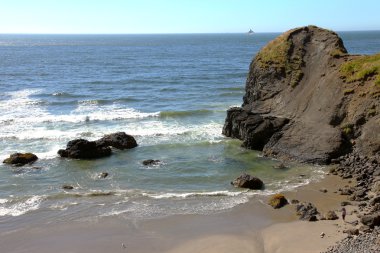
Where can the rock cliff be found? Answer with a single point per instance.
(307, 99)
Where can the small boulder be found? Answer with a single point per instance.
(119, 140)
(151, 162)
(294, 201)
(277, 201)
(20, 159)
(248, 181)
(307, 211)
(324, 190)
(331, 215)
(84, 149)
(351, 231)
(371, 220)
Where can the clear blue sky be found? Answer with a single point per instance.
(184, 16)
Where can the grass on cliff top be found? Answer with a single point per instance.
(362, 69)
(275, 53)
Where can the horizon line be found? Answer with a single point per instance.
(164, 33)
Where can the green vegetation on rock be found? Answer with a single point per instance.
(277, 201)
(362, 68)
(278, 54)
(275, 53)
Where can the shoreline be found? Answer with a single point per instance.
(253, 226)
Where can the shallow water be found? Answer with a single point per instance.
(169, 91)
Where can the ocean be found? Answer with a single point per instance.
(170, 92)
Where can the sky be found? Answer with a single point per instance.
(184, 16)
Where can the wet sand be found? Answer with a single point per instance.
(251, 227)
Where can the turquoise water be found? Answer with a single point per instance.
(169, 91)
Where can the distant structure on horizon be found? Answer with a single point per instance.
(250, 31)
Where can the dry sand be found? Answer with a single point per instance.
(252, 227)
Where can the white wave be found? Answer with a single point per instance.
(20, 208)
(2, 201)
(193, 194)
(20, 108)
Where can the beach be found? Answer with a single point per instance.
(250, 227)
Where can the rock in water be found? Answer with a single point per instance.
(103, 175)
(20, 159)
(150, 162)
(297, 104)
(248, 181)
(84, 149)
(119, 140)
(67, 187)
(277, 201)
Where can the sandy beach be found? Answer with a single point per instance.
(252, 227)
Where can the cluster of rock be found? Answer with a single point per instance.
(84, 149)
(365, 172)
(363, 243)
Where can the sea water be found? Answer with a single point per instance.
(170, 92)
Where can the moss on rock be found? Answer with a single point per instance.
(277, 201)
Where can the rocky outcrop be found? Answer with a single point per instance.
(84, 149)
(20, 159)
(304, 100)
(248, 181)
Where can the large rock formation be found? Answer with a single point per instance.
(307, 99)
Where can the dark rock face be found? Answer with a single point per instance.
(84, 149)
(118, 140)
(248, 181)
(20, 159)
(295, 105)
(254, 129)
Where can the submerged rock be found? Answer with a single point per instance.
(67, 187)
(20, 159)
(248, 181)
(103, 175)
(150, 162)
